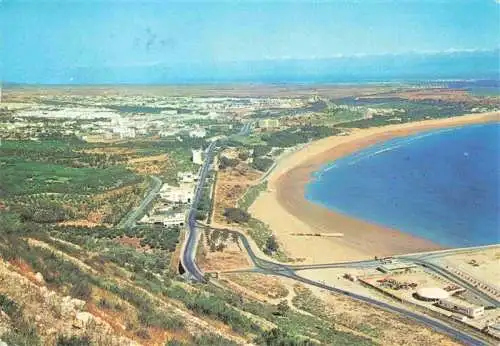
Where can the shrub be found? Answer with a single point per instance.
(236, 215)
(261, 150)
(271, 245)
(225, 162)
(282, 308)
(143, 334)
(262, 163)
(73, 340)
(243, 156)
(81, 290)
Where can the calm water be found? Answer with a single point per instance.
(441, 185)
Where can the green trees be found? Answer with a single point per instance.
(213, 306)
(10, 222)
(277, 337)
(291, 137)
(271, 245)
(42, 211)
(262, 163)
(226, 162)
(243, 155)
(282, 308)
(236, 215)
(261, 150)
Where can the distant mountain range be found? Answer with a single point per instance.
(408, 67)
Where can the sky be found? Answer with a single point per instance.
(41, 38)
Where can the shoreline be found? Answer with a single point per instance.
(292, 213)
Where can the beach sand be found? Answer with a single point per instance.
(285, 209)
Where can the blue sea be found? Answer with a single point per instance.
(442, 185)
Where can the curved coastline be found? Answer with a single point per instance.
(292, 213)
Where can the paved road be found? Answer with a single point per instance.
(269, 267)
(456, 279)
(130, 219)
(189, 263)
(188, 251)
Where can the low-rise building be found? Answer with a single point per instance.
(269, 123)
(186, 177)
(124, 132)
(175, 219)
(197, 156)
(396, 267)
(461, 306)
(177, 194)
(198, 133)
(167, 220)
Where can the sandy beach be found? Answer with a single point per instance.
(285, 209)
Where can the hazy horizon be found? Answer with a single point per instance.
(153, 42)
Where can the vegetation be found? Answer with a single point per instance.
(271, 245)
(126, 272)
(251, 195)
(305, 300)
(204, 206)
(409, 110)
(24, 330)
(203, 340)
(217, 239)
(225, 162)
(73, 340)
(276, 336)
(262, 163)
(236, 215)
(294, 136)
(282, 308)
(261, 150)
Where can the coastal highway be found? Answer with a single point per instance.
(188, 251)
(268, 267)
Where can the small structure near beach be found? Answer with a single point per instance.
(431, 294)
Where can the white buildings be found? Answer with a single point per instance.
(174, 194)
(461, 306)
(175, 219)
(124, 132)
(168, 220)
(186, 177)
(197, 156)
(198, 133)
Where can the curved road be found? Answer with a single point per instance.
(269, 267)
(189, 263)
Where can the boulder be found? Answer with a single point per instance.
(78, 304)
(39, 278)
(82, 319)
(67, 306)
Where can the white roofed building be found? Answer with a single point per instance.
(197, 156)
(198, 133)
(432, 294)
(177, 194)
(461, 306)
(185, 177)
